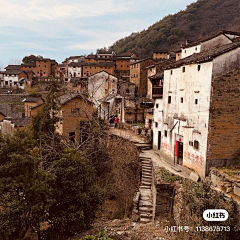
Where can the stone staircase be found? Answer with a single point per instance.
(146, 200)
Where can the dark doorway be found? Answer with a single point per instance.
(159, 140)
(72, 136)
(180, 153)
(74, 74)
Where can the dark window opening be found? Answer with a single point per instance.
(190, 143)
(156, 124)
(181, 100)
(183, 69)
(156, 105)
(75, 110)
(165, 133)
(199, 67)
(196, 101)
(149, 120)
(72, 136)
(196, 144)
(169, 99)
(171, 72)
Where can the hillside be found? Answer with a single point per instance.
(200, 19)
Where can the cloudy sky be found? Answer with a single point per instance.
(60, 28)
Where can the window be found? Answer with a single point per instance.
(121, 65)
(196, 145)
(127, 90)
(183, 69)
(156, 124)
(156, 105)
(171, 72)
(74, 110)
(149, 120)
(181, 100)
(196, 48)
(198, 67)
(45, 66)
(190, 143)
(127, 65)
(169, 99)
(165, 133)
(185, 51)
(196, 101)
(6, 82)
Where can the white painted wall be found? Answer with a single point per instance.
(157, 118)
(101, 85)
(190, 51)
(189, 85)
(72, 70)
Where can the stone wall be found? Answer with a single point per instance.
(164, 193)
(224, 125)
(225, 182)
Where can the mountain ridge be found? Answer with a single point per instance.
(200, 19)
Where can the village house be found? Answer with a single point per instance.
(15, 77)
(10, 125)
(101, 85)
(79, 84)
(76, 112)
(44, 67)
(196, 122)
(138, 75)
(31, 102)
(221, 38)
(161, 54)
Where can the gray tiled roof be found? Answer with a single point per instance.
(205, 56)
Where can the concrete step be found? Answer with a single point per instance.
(145, 210)
(145, 159)
(146, 183)
(147, 198)
(147, 171)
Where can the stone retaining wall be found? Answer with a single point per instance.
(225, 182)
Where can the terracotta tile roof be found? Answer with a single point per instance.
(204, 56)
(100, 64)
(157, 76)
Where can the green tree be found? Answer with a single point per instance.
(25, 192)
(31, 58)
(77, 195)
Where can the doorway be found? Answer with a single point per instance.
(179, 150)
(159, 140)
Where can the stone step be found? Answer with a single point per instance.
(147, 168)
(145, 204)
(146, 215)
(145, 192)
(147, 198)
(146, 171)
(146, 183)
(146, 180)
(145, 159)
(147, 175)
(145, 210)
(145, 187)
(145, 220)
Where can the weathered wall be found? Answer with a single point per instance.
(217, 41)
(224, 128)
(187, 119)
(188, 51)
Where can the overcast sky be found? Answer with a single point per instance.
(60, 28)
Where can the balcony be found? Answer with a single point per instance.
(157, 91)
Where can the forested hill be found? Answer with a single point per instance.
(200, 19)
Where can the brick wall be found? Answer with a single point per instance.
(224, 123)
